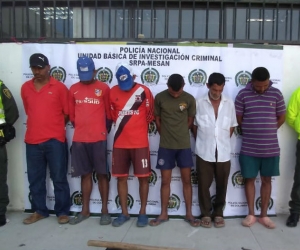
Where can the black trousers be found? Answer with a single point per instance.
(206, 172)
(4, 200)
(295, 194)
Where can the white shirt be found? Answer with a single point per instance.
(214, 133)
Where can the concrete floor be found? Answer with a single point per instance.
(47, 234)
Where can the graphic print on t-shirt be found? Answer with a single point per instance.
(131, 108)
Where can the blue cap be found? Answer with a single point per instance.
(85, 68)
(124, 76)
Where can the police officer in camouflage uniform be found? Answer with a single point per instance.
(8, 115)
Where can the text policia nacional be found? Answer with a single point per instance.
(152, 56)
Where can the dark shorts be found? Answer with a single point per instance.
(266, 166)
(88, 156)
(170, 158)
(123, 157)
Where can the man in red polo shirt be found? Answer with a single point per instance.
(46, 105)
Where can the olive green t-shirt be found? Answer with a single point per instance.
(174, 113)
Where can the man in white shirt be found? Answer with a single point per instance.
(213, 126)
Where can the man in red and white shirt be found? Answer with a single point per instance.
(89, 110)
(132, 111)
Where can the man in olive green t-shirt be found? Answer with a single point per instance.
(174, 115)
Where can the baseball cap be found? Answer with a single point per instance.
(85, 67)
(38, 60)
(124, 76)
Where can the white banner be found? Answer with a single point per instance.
(153, 65)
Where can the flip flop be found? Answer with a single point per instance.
(193, 222)
(249, 221)
(267, 222)
(120, 220)
(142, 220)
(105, 219)
(78, 218)
(219, 222)
(157, 222)
(205, 222)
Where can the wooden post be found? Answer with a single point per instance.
(128, 246)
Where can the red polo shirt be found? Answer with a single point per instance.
(46, 110)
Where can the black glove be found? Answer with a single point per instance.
(9, 132)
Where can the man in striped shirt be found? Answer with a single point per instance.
(260, 111)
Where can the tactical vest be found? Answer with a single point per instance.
(2, 114)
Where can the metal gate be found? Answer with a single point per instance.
(235, 21)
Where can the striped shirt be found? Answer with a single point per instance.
(259, 124)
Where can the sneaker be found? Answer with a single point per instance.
(33, 218)
(63, 219)
(2, 220)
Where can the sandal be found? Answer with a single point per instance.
(142, 220)
(193, 222)
(267, 222)
(219, 222)
(205, 222)
(120, 220)
(157, 222)
(249, 221)
(78, 218)
(105, 219)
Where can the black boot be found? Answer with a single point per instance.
(2, 220)
(292, 220)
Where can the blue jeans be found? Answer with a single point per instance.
(51, 153)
